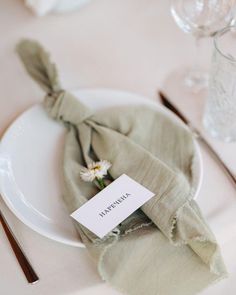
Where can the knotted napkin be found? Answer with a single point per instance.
(166, 247)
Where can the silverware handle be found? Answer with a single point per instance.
(28, 270)
(218, 158)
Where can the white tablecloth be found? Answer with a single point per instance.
(131, 45)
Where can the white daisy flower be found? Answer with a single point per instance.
(87, 175)
(95, 170)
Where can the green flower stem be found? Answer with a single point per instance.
(101, 183)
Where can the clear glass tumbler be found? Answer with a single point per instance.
(220, 111)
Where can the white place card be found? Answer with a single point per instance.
(112, 205)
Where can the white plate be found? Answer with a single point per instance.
(30, 157)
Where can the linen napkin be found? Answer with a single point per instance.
(166, 247)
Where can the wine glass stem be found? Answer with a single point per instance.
(196, 79)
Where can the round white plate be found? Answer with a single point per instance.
(30, 156)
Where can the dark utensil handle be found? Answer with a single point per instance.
(28, 270)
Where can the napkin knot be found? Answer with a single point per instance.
(65, 107)
(59, 104)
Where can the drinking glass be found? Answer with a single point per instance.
(220, 111)
(201, 18)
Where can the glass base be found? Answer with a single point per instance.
(217, 134)
(196, 80)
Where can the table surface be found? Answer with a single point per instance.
(131, 45)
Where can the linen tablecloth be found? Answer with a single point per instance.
(125, 44)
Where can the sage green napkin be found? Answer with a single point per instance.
(166, 247)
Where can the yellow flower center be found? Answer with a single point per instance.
(98, 167)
